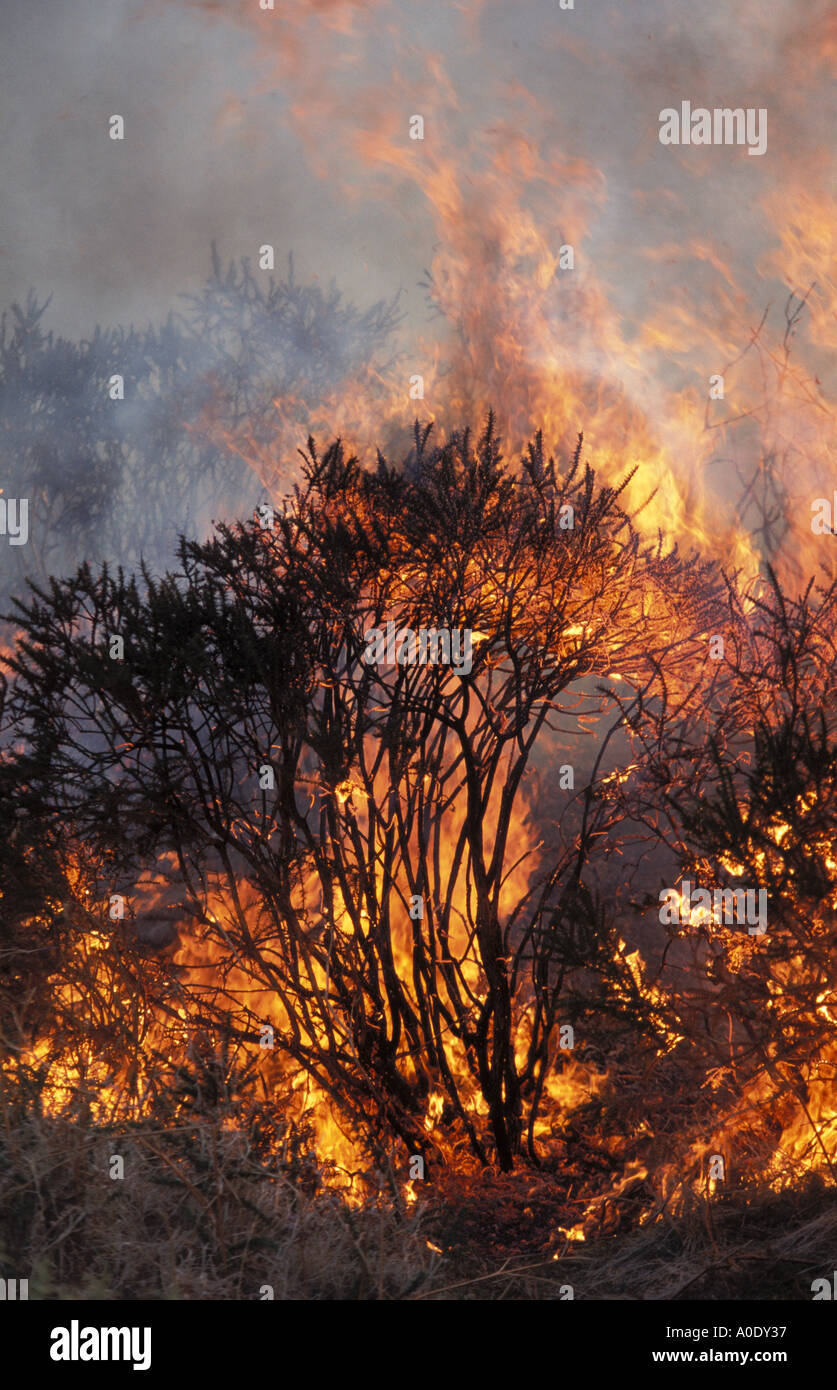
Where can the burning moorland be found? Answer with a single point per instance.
(418, 834)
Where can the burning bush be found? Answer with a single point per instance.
(740, 787)
(351, 844)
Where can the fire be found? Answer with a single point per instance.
(544, 341)
(536, 327)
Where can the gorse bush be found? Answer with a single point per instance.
(352, 843)
(740, 787)
(112, 476)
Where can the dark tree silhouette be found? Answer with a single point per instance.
(350, 840)
(740, 788)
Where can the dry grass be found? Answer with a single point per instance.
(749, 1244)
(198, 1215)
(755, 1246)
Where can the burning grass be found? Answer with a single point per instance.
(201, 1216)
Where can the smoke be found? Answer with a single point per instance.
(232, 114)
(118, 444)
(290, 127)
(115, 231)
